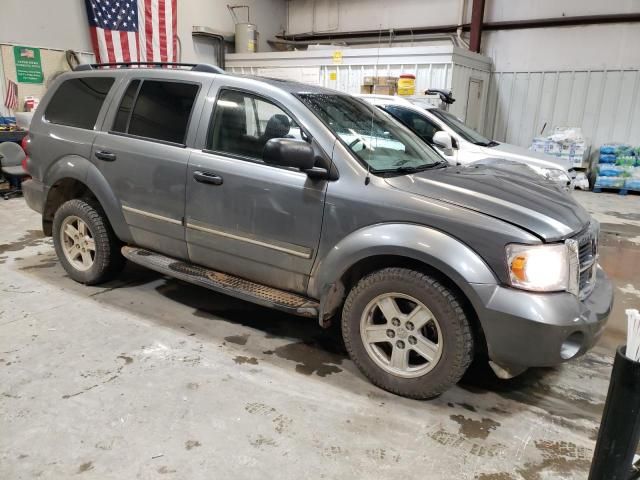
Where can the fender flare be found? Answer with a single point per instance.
(82, 170)
(447, 254)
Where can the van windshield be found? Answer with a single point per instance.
(371, 135)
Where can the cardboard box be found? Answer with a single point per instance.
(393, 81)
(384, 89)
(366, 89)
(369, 81)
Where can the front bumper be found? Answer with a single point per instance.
(525, 329)
(35, 194)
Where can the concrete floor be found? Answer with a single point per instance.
(148, 377)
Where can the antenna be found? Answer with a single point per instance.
(367, 179)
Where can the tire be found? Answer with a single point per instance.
(105, 260)
(448, 331)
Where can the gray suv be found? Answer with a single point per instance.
(313, 202)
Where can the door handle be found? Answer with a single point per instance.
(104, 155)
(207, 177)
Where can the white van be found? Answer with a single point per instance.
(462, 145)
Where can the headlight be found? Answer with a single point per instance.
(544, 268)
(554, 174)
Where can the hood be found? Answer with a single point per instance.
(526, 201)
(514, 152)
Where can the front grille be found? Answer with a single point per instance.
(588, 257)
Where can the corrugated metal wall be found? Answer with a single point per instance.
(604, 103)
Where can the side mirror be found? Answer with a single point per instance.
(287, 152)
(444, 141)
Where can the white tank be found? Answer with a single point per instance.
(246, 38)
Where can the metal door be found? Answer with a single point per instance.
(243, 216)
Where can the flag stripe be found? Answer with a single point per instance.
(168, 16)
(117, 46)
(94, 41)
(108, 40)
(174, 32)
(155, 31)
(11, 98)
(124, 45)
(162, 30)
(133, 46)
(103, 52)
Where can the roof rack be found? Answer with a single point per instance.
(194, 67)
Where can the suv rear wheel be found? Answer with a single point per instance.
(407, 333)
(85, 244)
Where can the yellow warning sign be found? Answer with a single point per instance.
(337, 57)
(333, 76)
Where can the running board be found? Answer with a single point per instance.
(223, 283)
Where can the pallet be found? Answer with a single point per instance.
(620, 191)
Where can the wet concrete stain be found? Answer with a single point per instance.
(475, 428)
(261, 441)
(536, 388)
(241, 360)
(279, 421)
(42, 264)
(163, 470)
(193, 386)
(562, 458)
(190, 444)
(237, 339)
(30, 239)
(127, 361)
(308, 359)
(464, 444)
(495, 476)
(85, 467)
(635, 217)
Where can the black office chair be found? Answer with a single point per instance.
(11, 157)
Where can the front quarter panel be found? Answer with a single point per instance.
(432, 247)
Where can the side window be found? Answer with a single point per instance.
(416, 122)
(121, 123)
(161, 110)
(78, 101)
(243, 123)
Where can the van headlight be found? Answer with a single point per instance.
(556, 175)
(544, 268)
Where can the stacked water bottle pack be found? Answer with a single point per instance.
(619, 168)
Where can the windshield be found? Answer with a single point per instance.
(469, 134)
(373, 137)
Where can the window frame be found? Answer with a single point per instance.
(126, 134)
(253, 96)
(102, 107)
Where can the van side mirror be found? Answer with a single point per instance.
(287, 152)
(444, 141)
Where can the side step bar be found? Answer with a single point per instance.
(223, 283)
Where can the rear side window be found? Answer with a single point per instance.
(159, 110)
(77, 102)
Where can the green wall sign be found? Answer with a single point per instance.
(28, 65)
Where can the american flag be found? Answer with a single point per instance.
(11, 98)
(133, 30)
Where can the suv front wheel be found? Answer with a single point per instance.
(407, 332)
(86, 246)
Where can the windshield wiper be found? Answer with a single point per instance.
(490, 143)
(408, 169)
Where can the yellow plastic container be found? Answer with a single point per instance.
(407, 84)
